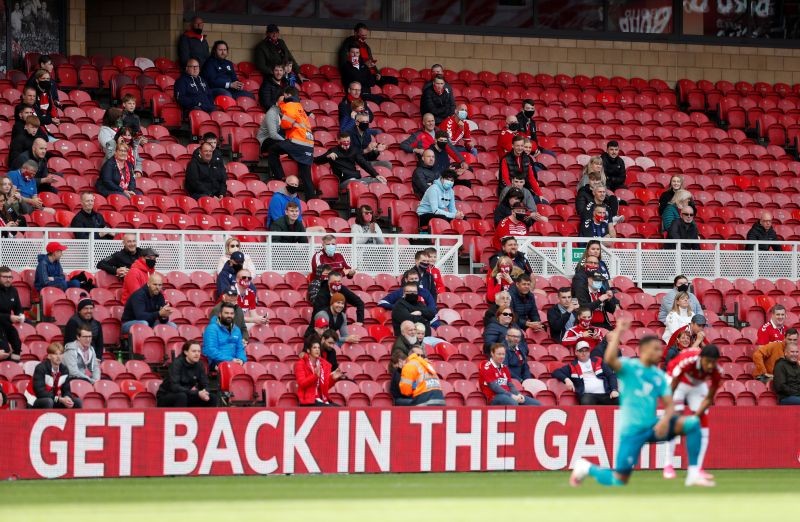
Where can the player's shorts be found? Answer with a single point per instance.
(690, 395)
(630, 446)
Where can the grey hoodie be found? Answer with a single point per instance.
(74, 362)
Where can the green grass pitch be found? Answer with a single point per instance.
(740, 495)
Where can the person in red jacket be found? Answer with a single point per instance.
(458, 130)
(774, 329)
(434, 271)
(517, 224)
(501, 277)
(504, 140)
(314, 376)
(496, 384)
(584, 331)
(140, 272)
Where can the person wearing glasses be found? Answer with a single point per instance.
(191, 90)
(80, 358)
(681, 200)
(246, 298)
(684, 228)
(232, 245)
(366, 229)
(497, 330)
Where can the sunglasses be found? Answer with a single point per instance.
(246, 278)
(368, 212)
(507, 314)
(686, 215)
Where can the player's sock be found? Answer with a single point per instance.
(670, 456)
(691, 428)
(703, 447)
(604, 476)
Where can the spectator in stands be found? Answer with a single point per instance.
(84, 319)
(329, 256)
(418, 380)
(681, 340)
(523, 303)
(679, 285)
(439, 200)
(444, 155)
(329, 340)
(45, 61)
(501, 278)
(118, 263)
(147, 306)
(299, 142)
(529, 199)
(359, 37)
(10, 314)
(140, 272)
(231, 296)
(48, 270)
(589, 266)
(517, 354)
(43, 180)
(594, 165)
(46, 104)
(762, 231)
(613, 166)
(314, 376)
(355, 69)
(517, 163)
(352, 104)
(409, 276)
(591, 261)
(433, 270)
(768, 354)
(684, 228)
(561, 317)
(317, 277)
(220, 73)
(124, 135)
(598, 298)
(226, 277)
(495, 331)
(80, 357)
(682, 199)
(592, 380)
(130, 119)
(273, 87)
(505, 140)
(290, 222)
(787, 377)
(246, 299)
(343, 160)
(193, 44)
(361, 139)
(222, 339)
(232, 244)
(192, 91)
(598, 225)
(396, 364)
(365, 229)
(774, 329)
(334, 285)
(585, 196)
(420, 140)
(423, 267)
(679, 316)
(282, 197)
(510, 197)
(186, 382)
(438, 100)
(518, 223)
(204, 176)
(600, 196)
(525, 119)
(501, 300)
(358, 107)
(49, 387)
(458, 131)
(407, 339)
(12, 208)
(336, 319)
(496, 384)
(272, 51)
(86, 217)
(22, 139)
(584, 330)
(117, 174)
(510, 248)
(411, 309)
(111, 123)
(270, 133)
(666, 197)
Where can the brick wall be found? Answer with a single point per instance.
(76, 28)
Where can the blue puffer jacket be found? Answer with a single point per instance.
(221, 344)
(218, 72)
(47, 269)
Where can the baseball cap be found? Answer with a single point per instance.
(149, 252)
(232, 291)
(54, 246)
(237, 257)
(699, 320)
(273, 28)
(581, 345)
(321, 322)
(598, 276)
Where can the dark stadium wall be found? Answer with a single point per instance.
(151, 28)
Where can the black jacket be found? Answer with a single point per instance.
(205, 179)
(282, 225)
(270, 91)
(583, 198)
(402, 312)
(117, 260)
(183, 377)
(609, 306)
(42, 370)
(361, 75)
(759, 233)
(524, 307)
(267, 55)
(786, 382)
(9, 303)
(614, 169)
(426, 280)
(323, 301)
(144, 306)
(678, 229)
(422, 179)
(84, 220)
(110, 178)
(22, 141)
(344, 166)
(528, 126)
(612, 206)
(71, 333)
(191, 45)
(441, 106)
(558, 322)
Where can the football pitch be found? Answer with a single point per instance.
(739, 495)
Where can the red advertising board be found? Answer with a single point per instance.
(163, 442)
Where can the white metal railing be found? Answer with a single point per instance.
(191, 250)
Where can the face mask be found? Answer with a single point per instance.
(411, 298)
(197, 30)
(513, 127)
(28, 175)
(410, 339)
(683, 288)
(335, 288)
(151, 263)
(45, 85)
(364, 125)
(424, 266)
(236, 267)
(505, 269)
(244, 282)
(597, 285)
(520, 215)
(442, 143)
(291, 189)
(591, 268)
(344, 146)
(528, 114)
(437, 89)
(586, 323)
(330, 250)
(462, 115)
(447, 184)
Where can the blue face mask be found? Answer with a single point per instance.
(330, 250)
(462, 115)
(447, 184)
(597, 285)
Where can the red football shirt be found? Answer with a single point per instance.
(687, 369)
(770, 333)
(488, 372)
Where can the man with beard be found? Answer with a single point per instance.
(222, 340)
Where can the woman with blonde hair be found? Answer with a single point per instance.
(682, 199)
(501, 277)
(593, 166)
(232, 244)
(680, 315)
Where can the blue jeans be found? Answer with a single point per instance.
(505, 399)
(126, 327)
(792, 400)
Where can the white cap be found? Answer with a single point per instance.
(582, 344)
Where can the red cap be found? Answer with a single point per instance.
(321, 322)
(54, 247)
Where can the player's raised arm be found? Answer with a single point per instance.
(612, 348)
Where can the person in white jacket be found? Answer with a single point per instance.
(680, 315)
